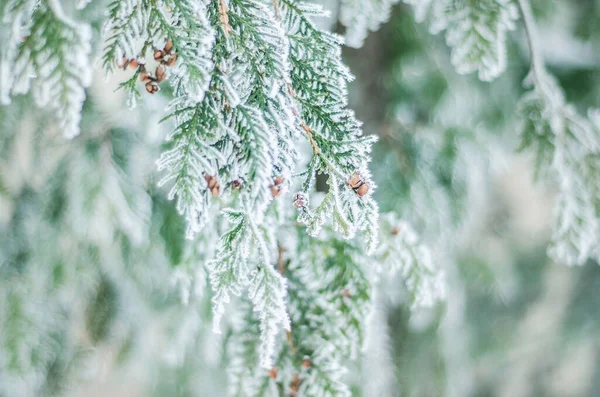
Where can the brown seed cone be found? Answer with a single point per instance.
(172, 59)
(160, 73)
(395, 231)
(355, 180)
(211, 180)
(213, 184)
(300, 200)
(145, 77)
(236, 184)
(159, 55)
(306, 363)
(362, 190)
(168, 46)
(133, 63)
(151, 87)
(295, 384)
(278, 180)
(273, 372)
(275, 191)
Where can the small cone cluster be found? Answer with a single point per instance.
(300, 200)
(166, 57)
(273, 372)
(213, 184)
(357, 183)
(295, 384)
(277, 186)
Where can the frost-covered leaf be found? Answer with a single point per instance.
(540, 113)
(361, 16)
(189, 161)
(246, 117)
(135, 27)
(51, 60)
(124, 31)
(267, 293)
(257, 157)
(188, 29)
(402, 252)
(319, 80)
(349, 213)
(242, 246)
(476, 31)
(566, 144)
(327, 379)
(109, 204)
(577, 210)
(15, 23)
(228, 272)
(243, 372)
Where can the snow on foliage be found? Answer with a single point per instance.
(361, 16)
(252, 84)
(566, 145)
(401, 251)
(564, 142)
(47, 53)
(476, 31)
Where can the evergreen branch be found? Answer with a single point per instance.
(476, 31)
(228, 271)
(565, 142)
(402, 252)
(15, 23)
(361, 16)
(267, 293)
(248, 104)
(319, 87)
(52, 62)
(537, 62)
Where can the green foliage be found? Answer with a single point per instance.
(476, 31)
(43, 42)
(258, 109)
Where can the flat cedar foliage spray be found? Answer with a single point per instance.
(218, 205)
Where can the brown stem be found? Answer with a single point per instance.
(304, 126)
(308, 131)
(276, 8)
(223, 16)
(290, 340)
(280, 260)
